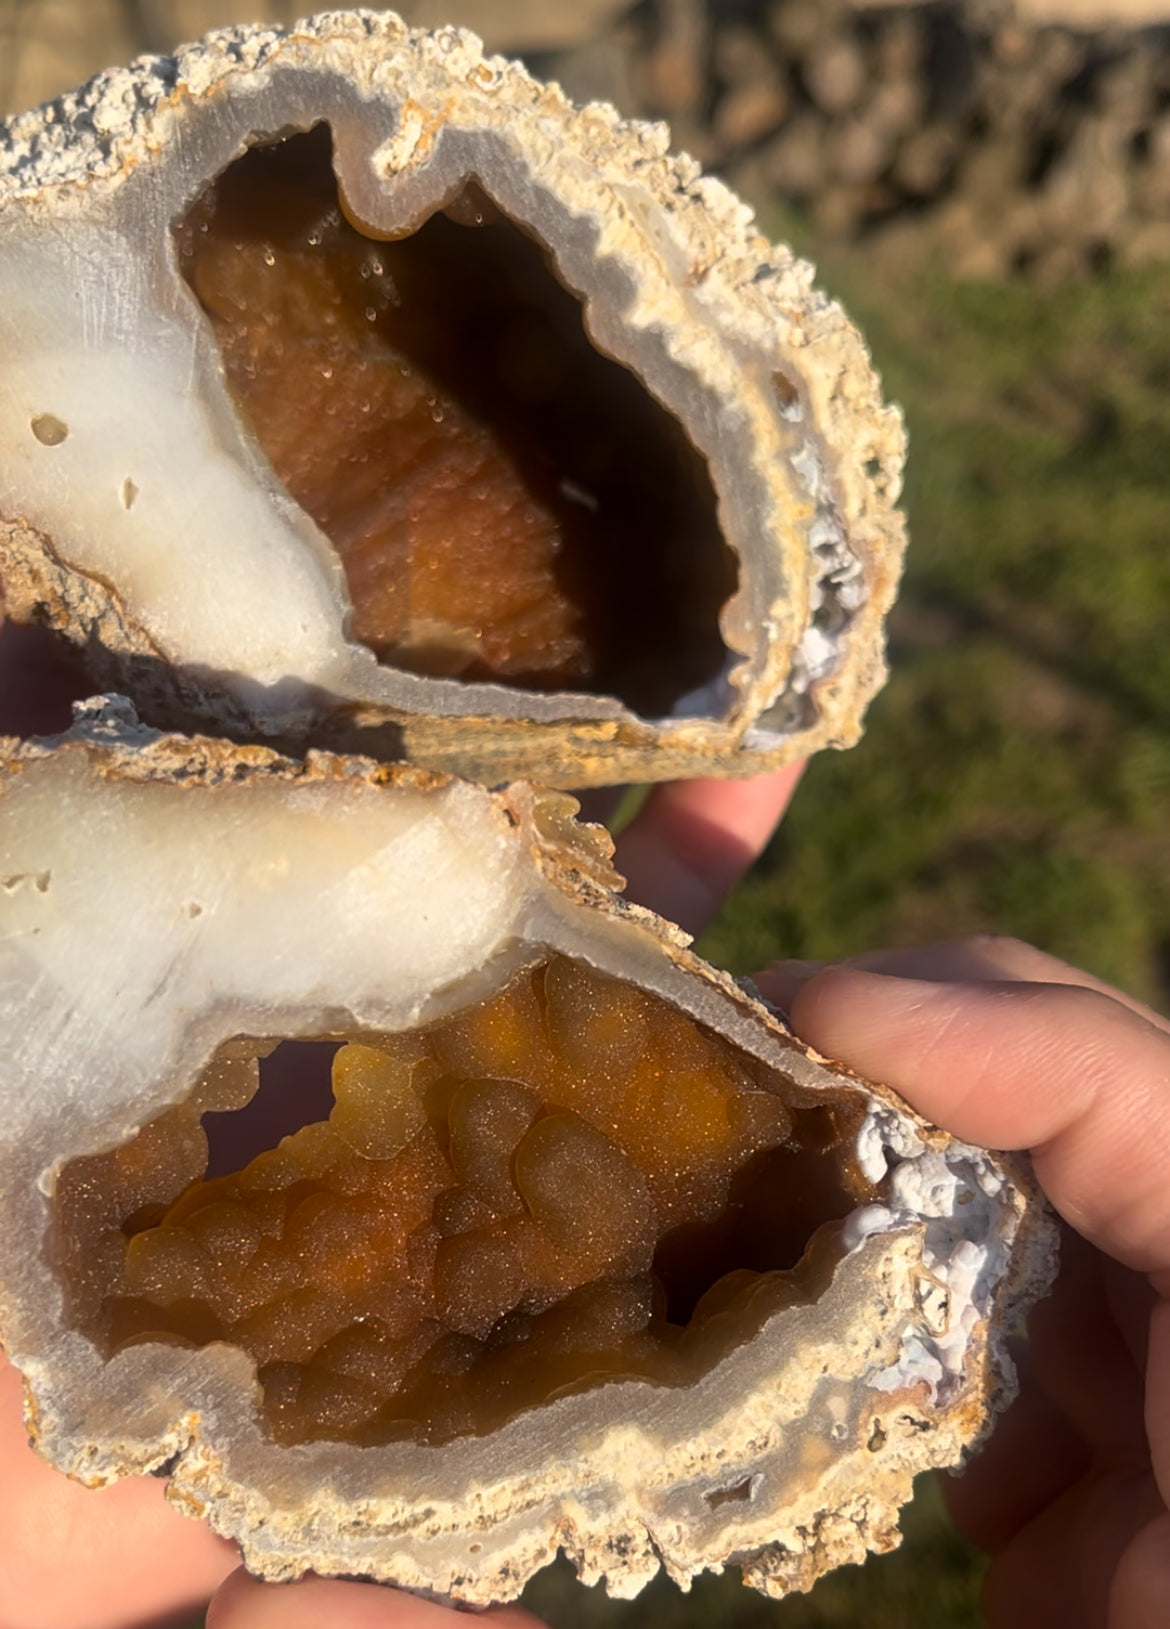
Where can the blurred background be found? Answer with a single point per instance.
(986, 186)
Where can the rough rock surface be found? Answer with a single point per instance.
(789, 1455)
(765, 374)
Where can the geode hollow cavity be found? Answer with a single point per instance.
(360, 390)
(580, 1248)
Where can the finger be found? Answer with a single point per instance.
(691, 841)
(1080, 1404)
(1140, 1597)
(977, 959)
(1058, 1572)
(1158, 1396)
(1070, 1073)
(598, 804)
(1080, 1358)
(1130, 1299)
(246, 1603)
(38, 682)
(1032, 1458)
(132, 1559)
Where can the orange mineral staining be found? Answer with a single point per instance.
(571, 1181)
(505, 500)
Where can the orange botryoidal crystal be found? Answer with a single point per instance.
(569, 1181)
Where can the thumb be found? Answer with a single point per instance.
(327, 1603)
(1068, 1072)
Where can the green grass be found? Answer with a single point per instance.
(1015, 774)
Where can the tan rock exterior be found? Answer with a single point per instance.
(788, 1455)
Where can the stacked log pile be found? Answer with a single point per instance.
(1001, 140)
(1006, 147)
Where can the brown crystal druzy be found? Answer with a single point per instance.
(571, 1182)
(507, 503)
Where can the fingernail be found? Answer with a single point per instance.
(780, 981)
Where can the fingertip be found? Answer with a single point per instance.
(222, 1609)
(1065, 1071)
(127, 1548)
(244, 1602)
(779, 981)
(953, 1051)
(691, 841)
(879, 1024)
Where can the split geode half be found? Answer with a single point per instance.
(582, 1249)
(359, 390)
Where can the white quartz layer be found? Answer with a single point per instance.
(240, 586)
(265, 899)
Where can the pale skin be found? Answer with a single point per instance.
(999, 1043)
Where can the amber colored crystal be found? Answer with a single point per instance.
(507, 503)
(571, 1180)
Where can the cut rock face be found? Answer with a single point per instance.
(361, 391)
(569, 1182)
(580, 1250)
(506, 501)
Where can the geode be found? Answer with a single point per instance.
(367, 1163)
(360, 391)
(574, 1247)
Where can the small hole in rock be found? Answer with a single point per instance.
(49, 430)
(508, 504)
(52, 678)
(739, 1494)
(129, 493)
(786, 394)
(40, 880)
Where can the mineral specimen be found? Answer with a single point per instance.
(579, 1248)
(360, 391)
(367, 1164)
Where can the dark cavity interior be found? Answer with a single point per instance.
(507, 503)
(573, 1182)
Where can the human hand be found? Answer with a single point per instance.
(133, 1561)
(691, 841)
(1008, 1047)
